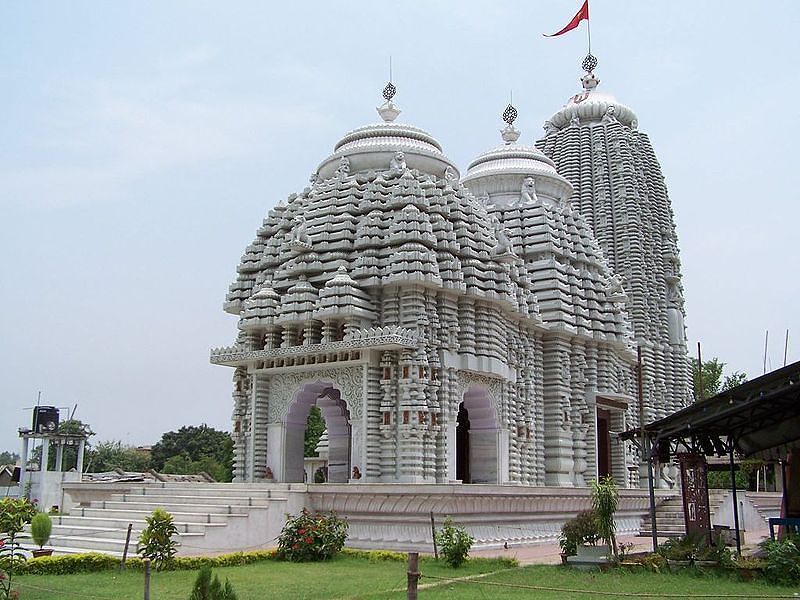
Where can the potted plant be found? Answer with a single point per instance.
(578, 531)
(605, 499)
(41, 527)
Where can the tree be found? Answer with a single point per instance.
(315, 425)
(194, 449)
(107, 456)
(8, 458)
(712, 381)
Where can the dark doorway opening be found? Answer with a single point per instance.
(603, 443)
(462, 444)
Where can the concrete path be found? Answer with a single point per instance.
(550, 553)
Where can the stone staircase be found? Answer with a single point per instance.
(211, 517)
(669, 514)
(768, 504)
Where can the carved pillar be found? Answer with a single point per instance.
(558, 449)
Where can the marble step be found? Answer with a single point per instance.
(249, 501)
(170, 507)
(121, 522)
(179, 516)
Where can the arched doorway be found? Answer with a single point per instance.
(337, 424)
(477, 439)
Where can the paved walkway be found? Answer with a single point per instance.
(549, 553)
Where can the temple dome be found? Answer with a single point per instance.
(591, 105)
(372, 147)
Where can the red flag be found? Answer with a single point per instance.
(582, 14)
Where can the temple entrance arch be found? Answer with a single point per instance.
(337, 423)
(478, 440)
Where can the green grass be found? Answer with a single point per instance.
(343, 577)
(356, 577)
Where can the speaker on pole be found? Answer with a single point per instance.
(45, 419)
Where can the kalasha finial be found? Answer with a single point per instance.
(388, 110)
(589, 63)
(510, 133)
(389, 91)
(510, 114)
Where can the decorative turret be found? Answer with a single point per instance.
(342, 301)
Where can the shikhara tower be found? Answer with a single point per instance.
(619, 190)
(470, 329)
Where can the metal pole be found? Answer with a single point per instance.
(785, 347)
(146, 579)
(735, 500)
(433, 535)
(413, 576)
(766, 344)
(125, 550)
(652, 490)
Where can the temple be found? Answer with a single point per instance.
(475, 328)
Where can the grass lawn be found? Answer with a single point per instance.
(355, 577)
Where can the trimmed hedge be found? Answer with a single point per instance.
(94, 561)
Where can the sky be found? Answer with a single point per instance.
(142, 143)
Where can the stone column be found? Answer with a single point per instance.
(23, 469)
(60, 456)
(45, 456)
(81, 451)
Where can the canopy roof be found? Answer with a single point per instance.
(761, 417)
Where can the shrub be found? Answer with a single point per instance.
(15, 513)
(206, 588)
(683, 548)
(308, 536)
(155, 541)
(454, 543)
(582, 529)
(605, 499)
(41, 526)
(783, 561)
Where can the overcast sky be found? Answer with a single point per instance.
(142, 143)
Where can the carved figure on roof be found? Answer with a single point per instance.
(450, 174)
(634, 124)
(344, 166)
(504, 245)
(300, 238)
(398, 164)
(314, 178)
(575, 121)
(549, 128)
(528, 191)
(610, 116)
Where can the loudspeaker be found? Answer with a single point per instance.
(45, 419)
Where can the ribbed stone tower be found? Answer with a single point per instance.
(449, 331)
(619, 190)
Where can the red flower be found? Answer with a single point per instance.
(295, 546)
(308, 540)
(302, 531)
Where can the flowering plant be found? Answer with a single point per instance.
(308, 536)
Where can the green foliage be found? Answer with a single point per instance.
(308, 536)
(733, 380)
(713, 382)
(783, 561)
(581, 529)
(454, 543)
(8, 458)
(15, 513)
(605, 499)
(41, 526)
(206, 588)
(201, 448)
(315, 425)
(67, 564)
(107, 456)
(155, 541)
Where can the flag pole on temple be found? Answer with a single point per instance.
(590, 62)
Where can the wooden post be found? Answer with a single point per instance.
(146, 579)
(433, 535)
(413, 576)
(125, 550)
